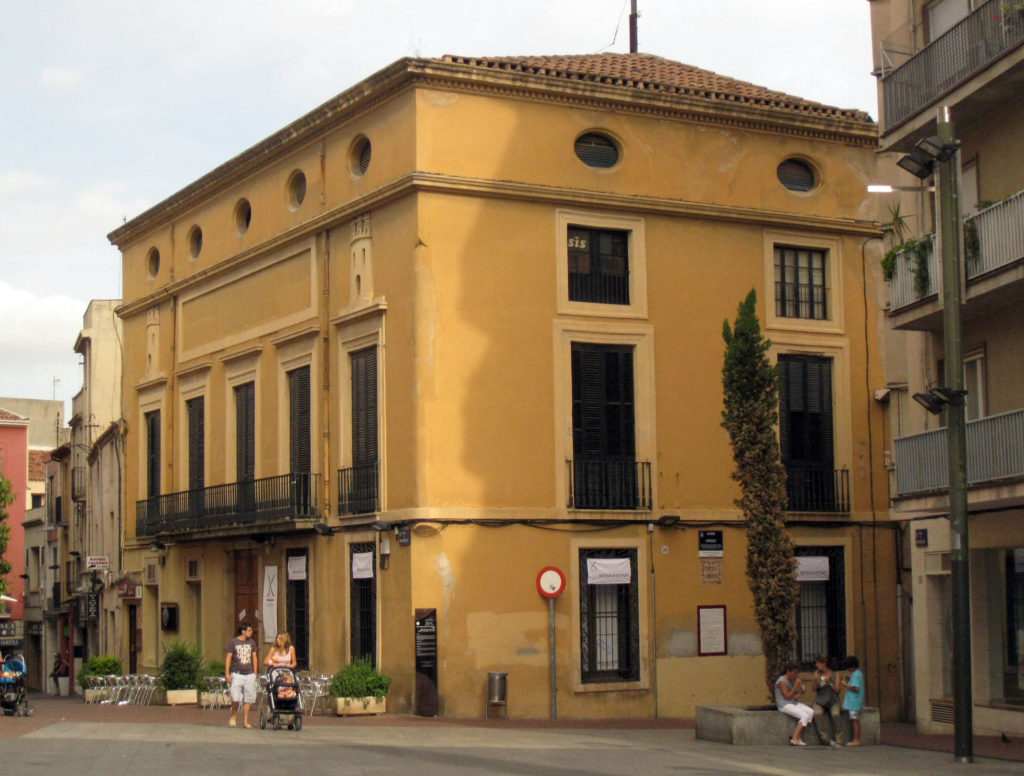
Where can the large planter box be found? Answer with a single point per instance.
(182, 697)
(350, 707)
(95, 696)
(214, 700)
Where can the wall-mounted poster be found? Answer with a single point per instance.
(712, 638)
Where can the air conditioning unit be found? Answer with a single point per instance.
(193, 570)
(152, 571)
(938, 563)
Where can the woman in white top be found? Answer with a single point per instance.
(282, 654)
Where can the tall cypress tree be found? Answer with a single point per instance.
(751, 397)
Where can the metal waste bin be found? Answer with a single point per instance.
(497, 692)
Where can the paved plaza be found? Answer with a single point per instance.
(68, 736)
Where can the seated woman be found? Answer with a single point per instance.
(788, 689)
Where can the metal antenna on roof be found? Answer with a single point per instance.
(632, 27)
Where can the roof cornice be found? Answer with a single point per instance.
(456, 76)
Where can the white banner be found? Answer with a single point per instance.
(297, 567)
(269, 603)
(608, 571)
(362, 565)
(812, 569)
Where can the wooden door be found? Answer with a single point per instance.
(247, 591)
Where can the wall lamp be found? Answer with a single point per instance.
(668, 521)
(323, 529)
(927, 151)
(385, 552)
(157, 546)
(937, 399)
(74, 553)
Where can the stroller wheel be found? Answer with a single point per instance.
(263, 719)
(298, 723)
(277, 722)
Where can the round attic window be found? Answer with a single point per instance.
(195, 242)
(597, 150)
(153, 262)
(362, 151)
(243, 215)
(797, 175)
(297, 189)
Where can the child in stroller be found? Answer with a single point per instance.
(13, 693)
(284, 699)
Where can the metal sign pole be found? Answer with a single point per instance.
(554, 686)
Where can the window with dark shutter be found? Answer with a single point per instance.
(805, 431)
(796, 175)
(299, 444)
(196, 410)
(364, 406)
(152, 454)
(604, 434)
(245, 432)
(801, 283)
(596, 150)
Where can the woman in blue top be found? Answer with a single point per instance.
(853, 701)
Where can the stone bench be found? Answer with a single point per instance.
(767, 725)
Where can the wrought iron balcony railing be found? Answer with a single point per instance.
(995, 451)
(609, 483)
(994, 238)
(78, 483)
(973, 44)
(357, 489)
(254, 502)
(810, 490)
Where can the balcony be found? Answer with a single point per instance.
(995, 236)
(79, 478)
(910, 283)
(995, 451)
(983, 37)
(808, 490)
(357, 489)
(609, 483)
(256, 503)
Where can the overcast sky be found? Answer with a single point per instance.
(109, 106)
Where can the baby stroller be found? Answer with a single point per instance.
(284, 699)
(13, 694)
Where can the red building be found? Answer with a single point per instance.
(14, 467)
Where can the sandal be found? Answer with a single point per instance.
(794, 742)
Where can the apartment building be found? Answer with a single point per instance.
(461, 324)
(966, 55)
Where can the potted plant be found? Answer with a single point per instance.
(359, 688)
(181, 672)
(100, 665)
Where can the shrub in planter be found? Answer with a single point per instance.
(100, 665)
(183, 667)
(359, 679)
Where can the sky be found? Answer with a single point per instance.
(107, 107)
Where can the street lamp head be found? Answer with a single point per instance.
(917, 163)
(936, 148)
(933, 404)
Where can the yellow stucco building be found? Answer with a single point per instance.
(462, 323)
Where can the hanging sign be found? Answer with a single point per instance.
(812, 569)
(362, 565)
(608, 571)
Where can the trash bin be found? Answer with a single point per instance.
(497, 692)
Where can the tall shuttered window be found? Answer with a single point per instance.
(196, 411)
(245, 432)
(361, 495)
(801, 283)
(603, 427)
(299, 444)
(152, 454)
(609, 616)
(805, 431)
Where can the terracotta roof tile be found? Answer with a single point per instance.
(37, 464)
(8, 415)
(657, 74)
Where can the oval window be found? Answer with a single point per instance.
(797, 175)
(596, 150)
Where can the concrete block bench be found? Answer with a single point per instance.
(766, 725)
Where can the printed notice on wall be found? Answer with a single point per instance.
(711, 571)
(711, 629)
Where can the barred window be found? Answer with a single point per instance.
(801, 290)
(821, 610)
(609, 619)
(598, 265)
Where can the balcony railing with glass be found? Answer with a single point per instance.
(357, 489)
(609, 483)
(910, 283)
(994, 238)
(810, 490)
(995, 451)
(238, 504)
(949, 60)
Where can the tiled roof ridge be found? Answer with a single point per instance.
(8, 415)
(650, 72)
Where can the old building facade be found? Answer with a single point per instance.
(462, 323)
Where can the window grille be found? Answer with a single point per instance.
(801, 288)
(598, 265)
(609, 623)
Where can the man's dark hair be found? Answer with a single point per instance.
(852, 662)
(242, 628)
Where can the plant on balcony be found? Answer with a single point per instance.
(6, 499)
(972, 242)
(751, 398)
(99, 665)
(357, 686)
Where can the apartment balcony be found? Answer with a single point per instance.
(609, 483)
(969, 67)
(358, 492)
(268, 503)
(995, 453)
(809, 490)
(994, 270)
(79, 479)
